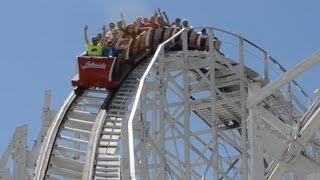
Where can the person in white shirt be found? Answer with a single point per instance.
(112, 26)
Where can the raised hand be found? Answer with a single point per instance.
(104, 28)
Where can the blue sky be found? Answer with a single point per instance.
(41, 39)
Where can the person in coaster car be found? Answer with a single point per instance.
(95, 47)
(110, 50)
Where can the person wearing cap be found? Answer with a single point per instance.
(95, 47)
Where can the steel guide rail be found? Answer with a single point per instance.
(105, 161)
(65, 146)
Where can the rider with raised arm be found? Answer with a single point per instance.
(95, 47)
(152, 23)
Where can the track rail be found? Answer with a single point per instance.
(104, 156)
(65, 147)
(83, 141)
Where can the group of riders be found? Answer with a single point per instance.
(108, 43)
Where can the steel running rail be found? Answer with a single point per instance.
(136, 101)
(65, 147)
(94, 139)
(102, 155)
(50, 137)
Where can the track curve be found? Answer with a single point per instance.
(84, 141)
(105, 163)
(64, 149)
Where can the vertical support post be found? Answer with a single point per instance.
(289, 104)
(255, 139)
(144, 160)
(243, 95)
(20, 153)
(154, 127)
(265, 67)
(47, 117)
(162, 118)
(47, 100)
(46, 114)
(186, 99)
(46, 110)
(215, 153)
(125, 169)
(185, 41)
(154, 123)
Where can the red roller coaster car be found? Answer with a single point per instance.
(95, 72)
(108, 72)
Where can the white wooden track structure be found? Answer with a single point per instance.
(183, 114)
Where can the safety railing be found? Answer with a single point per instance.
(259, 60)
(159, 50)
(231, 46)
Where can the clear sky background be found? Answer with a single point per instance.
(40, 40)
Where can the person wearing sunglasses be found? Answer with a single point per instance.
(95, 47)
(110, 50)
